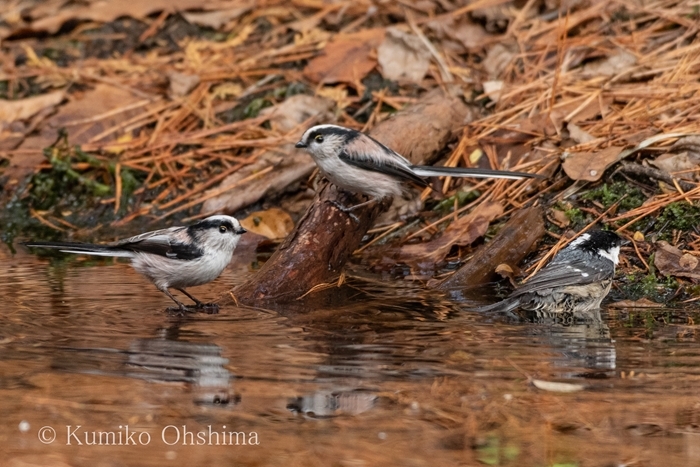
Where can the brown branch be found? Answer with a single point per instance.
(316, 251)
(512, 243)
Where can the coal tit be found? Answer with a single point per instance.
(575, 281)
(176, 257)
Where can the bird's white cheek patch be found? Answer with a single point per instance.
(612, 254)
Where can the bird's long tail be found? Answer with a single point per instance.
(431, 171)
(82, 248)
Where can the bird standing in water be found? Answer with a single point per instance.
(176, 257)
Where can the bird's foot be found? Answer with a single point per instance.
(178, 310)
(345, 209)
(208, 308)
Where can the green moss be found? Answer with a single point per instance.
(496, 452)
(65, 192)
(650, 286)
(630, 197)
(462, 197)
(679, 216)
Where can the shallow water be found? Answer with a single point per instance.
(374, 374)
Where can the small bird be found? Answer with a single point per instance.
(358, 163)
(575, 281)
(177, 257)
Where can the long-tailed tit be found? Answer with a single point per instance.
(177, 257)
(575, 281)
(360, 164)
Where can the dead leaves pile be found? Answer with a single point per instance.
(578, 89)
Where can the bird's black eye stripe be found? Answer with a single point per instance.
(222, 226)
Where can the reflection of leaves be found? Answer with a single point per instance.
(495, 454)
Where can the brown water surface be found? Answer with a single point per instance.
(372, 375)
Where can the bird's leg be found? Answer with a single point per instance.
(210, 308)
(349, 210)
(181, 308)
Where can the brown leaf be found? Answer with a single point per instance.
(688, 262)
(683, 162)
(510, 245)
(216, 19)
(403, 57)
(273, 223)
(464, 231)
(671, 261)
(46, 17)
(181, 83)
(297, 109)
(22, 109)
(346, 58)
(288, 165)
(611, 65)
(590, 166)
(81, 117)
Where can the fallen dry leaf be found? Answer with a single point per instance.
(181, 84)
(579, 135)
(493, 89)
(288, 165)
(464, 231)
(85, 116)
(50, 16)
(273, 223)
(683, 162)
(497, 59)
(403, 56)
(297, 109)
(688, 262)
(590, 166)
(22, 109)
(611, 65)
(346, 58)
(553, 386)
(216, 19)
(671, 261)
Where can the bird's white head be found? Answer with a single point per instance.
(217, 233)
(326, 141)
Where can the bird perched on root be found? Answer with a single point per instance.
(575, 281)
(358, 163)
(177, 257)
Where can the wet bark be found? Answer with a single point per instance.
(316, 251)
(510, 246)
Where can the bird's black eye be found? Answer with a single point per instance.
(223, 229)
(319, 138)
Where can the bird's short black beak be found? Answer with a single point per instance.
(300, 145)
(241, 231)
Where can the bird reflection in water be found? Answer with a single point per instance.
(199, 364)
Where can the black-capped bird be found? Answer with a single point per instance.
(176, 257)
(576, 280)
